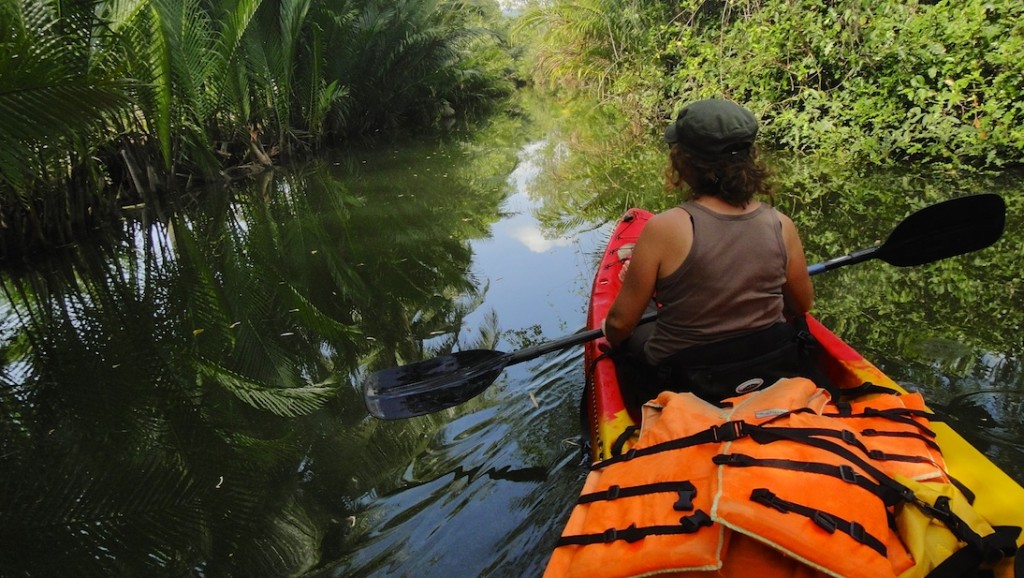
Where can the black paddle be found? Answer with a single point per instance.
(935, 232)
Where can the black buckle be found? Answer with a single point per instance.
(630, 534)
(849, 437)
(848, 474)
(729, 431)
(766, 497)
(825, 521)
(685, 502)
(857, 532)
(695, 522)
(740, 460)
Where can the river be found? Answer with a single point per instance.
(182, 396)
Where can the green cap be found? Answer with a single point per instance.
(713, 128)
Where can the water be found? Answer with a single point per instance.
(183, 399)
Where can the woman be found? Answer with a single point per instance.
(725, 270)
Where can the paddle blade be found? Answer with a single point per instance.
(946, 229)
(432, 384)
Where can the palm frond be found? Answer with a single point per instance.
(285, 402)
(159, 58)
(314, 319)
(49, 96)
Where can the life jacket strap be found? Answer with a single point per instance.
(882, 457)
(625, 436)
(826, 521)
(728, 431)
(686, 490)
(996, 546)
(940, 510)
(843, 472)
(899, 415)
(848, 437)
(687, 525)
(870, 432)
(867, 388)
(765, 435)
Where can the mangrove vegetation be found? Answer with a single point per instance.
(119, 103)
(113, 103)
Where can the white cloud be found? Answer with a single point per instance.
(535, 240)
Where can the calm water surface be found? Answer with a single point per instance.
(183, 399)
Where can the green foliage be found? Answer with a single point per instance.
(284, 401)
(117, 102)
(867, 81)
(56, 99)
(600, 48)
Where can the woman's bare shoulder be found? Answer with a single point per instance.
(671, 220)
(670, 229)
(788, 226)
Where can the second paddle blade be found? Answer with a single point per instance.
(432, 384)
(946, 229)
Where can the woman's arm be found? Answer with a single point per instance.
(798, 292)
(638, 285)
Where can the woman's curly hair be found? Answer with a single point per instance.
(735, 179)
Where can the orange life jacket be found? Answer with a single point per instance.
(783, 482)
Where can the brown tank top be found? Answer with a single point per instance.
(730, 283)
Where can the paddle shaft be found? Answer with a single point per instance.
(851, 259)
(564, 343)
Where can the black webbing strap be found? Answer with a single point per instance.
(940, 510)
(728, 431)
(846, 436)
(963, 489)
(966, 561)
(625, 436)
(904, 416)
(844, 472)
(826, 521)
(685, 489)
(881, 456)
(866, 388)
(1018, 565)
(687, 525)
(897, 414)
(902, 434)
(768, 435)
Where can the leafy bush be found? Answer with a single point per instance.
(870, 81)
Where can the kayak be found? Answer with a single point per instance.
(612, 431)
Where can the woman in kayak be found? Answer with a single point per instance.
(726, 270)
